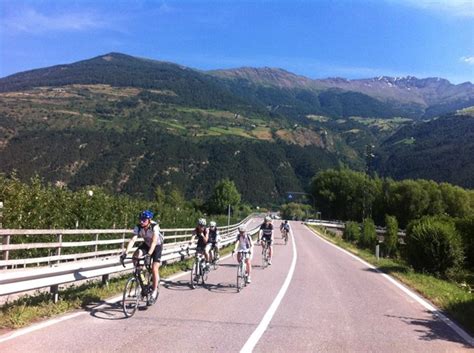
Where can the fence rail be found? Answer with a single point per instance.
(26, 274)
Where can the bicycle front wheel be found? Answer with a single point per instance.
(131, 294)
(194, 275)
(265, 257)
(240, 277)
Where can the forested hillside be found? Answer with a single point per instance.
(131, 124)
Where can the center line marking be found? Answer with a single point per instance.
(257, 334)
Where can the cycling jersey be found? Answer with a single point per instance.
(267, 230)
(244, 242)
(201, 243)
(213, 236)
(148, 234)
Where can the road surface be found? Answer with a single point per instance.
(332, 303)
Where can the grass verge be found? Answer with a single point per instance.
(455, 299)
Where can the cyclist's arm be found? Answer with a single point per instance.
(236, 245)
(131, 243)
(154, 241)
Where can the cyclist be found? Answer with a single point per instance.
(202, 235)
(214, 238)
(285, 227)
(152, 246)
(244, 242)
(266, 235)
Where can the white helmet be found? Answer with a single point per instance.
(242, 229)
(268, 219)
(212, 224)
(202, 221)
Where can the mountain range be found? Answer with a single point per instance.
(131, 124)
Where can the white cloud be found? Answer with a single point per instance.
(468, 60)
(32, 21)
(457, 8)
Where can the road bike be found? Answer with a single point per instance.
(265, 253)
(214, 256)
(199, 271)
(139, 286)
(284, 235)
(242, 274)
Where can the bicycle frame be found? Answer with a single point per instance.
(138, 286)
(242, 275)
(198, 272)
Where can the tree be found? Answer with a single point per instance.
(391, 235)
(225, 194)
(294, 210)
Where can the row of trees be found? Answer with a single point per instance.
(36, 205)
(349, 195)
(439, 218)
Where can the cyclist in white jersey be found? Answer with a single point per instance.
(152, 245)
(244, 242)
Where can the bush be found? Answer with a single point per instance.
(391, 235)
(433, 246)
(369, 235)
(465, 227)
(351, 232)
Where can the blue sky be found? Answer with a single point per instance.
(318, 39)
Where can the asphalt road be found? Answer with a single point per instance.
(333, 303)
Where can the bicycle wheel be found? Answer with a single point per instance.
(239, 277)
(149, 288)
(215, 263)
(286, 238)
(194, 275)
(245, 275)
(131, 295)
(204, 273)
(265, 256)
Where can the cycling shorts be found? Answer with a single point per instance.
(156, 256)
(268, 240)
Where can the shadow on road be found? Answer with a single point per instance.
(223, 287)
(228, 265)
(434, 329)
(176, 285)
(107, 311)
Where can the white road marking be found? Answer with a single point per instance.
(434, 310)
(257, 334)
(36, 327)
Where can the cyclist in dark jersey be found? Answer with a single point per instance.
(214, 238)
(202, 235)
(266, 235)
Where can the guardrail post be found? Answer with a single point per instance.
(6, 253)
(105, 280)
(58, 250)
(55, 293)
(96, 247)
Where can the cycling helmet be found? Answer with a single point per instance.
(212, 224)
(201, 222)
(286, 221)
(241, 228)
(268, 219)
(147, 214)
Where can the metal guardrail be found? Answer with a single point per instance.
(66, 268)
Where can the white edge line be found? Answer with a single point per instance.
(39, 326)
(434, 310)
(29, 329)
(262, 326)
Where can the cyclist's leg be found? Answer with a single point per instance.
(206, 252)
(270, 249)
(156, 266)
